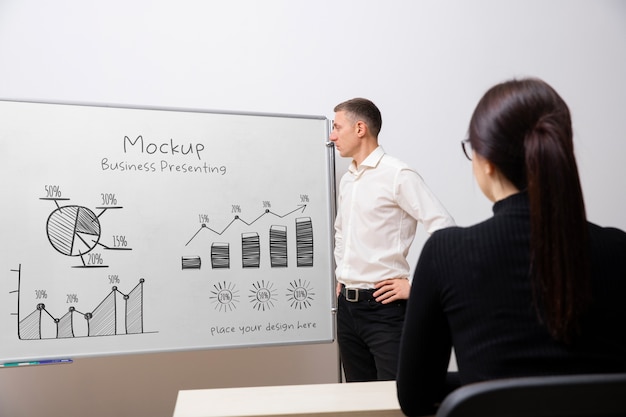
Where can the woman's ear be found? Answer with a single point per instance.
(492, 182)
(488, 167)
(483, 165)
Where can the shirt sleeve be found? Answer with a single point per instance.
(338, 252)
(426, 344)
(414, 196)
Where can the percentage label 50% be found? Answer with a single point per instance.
(52, 191)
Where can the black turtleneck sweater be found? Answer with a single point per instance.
(471, 291)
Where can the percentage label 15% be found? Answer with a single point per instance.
(119, 241)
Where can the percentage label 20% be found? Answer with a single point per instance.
(95, 259)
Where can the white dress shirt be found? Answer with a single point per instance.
(380, 203)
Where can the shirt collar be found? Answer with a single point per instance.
(371, 161)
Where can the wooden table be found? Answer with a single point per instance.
(364, 399)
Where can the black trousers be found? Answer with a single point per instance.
(368, 334)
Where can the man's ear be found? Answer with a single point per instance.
(361, 128)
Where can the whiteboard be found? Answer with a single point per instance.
(128, 230)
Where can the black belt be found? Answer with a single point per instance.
(355, 295)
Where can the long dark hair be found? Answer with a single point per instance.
(524, 128)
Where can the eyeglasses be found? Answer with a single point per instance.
(467, 148)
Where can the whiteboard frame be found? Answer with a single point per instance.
(330, 213)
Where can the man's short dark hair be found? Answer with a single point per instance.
(362, 109)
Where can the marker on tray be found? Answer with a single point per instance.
(29, 363)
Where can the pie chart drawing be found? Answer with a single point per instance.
(73, 230)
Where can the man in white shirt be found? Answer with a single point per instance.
(381, 200)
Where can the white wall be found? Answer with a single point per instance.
(425, 63)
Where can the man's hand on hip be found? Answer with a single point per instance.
(390, 290)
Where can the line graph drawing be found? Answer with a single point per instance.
(75, 231)
(251, 242)
(238, 218)
(117, 314)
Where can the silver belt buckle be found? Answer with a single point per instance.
(352, 295)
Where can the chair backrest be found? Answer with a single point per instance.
(552, 396)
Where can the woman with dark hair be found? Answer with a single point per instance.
(534, 290)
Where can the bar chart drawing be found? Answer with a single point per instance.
(191, 262)
(255, 249)
(304, 241)
(117, 314)
(250, 250)
(220, 255)
(278, 246)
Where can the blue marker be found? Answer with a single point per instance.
(28, 363)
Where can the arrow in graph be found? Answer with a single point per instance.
(300, 208)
